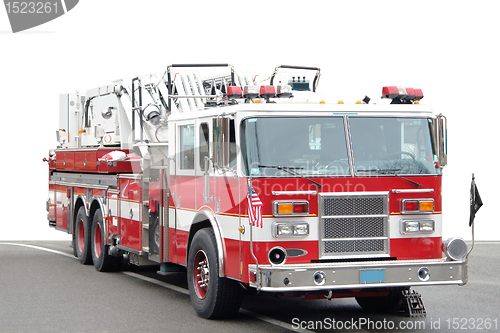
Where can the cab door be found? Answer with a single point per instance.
(184, 183)
(229, 194)
(204, 170)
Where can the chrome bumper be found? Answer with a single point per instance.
(374, 274)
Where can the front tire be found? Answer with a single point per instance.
(212, 296)
(81, 237)
(103, 262)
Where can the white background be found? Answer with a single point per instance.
(449, 49)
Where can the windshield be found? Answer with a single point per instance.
(392, 146)
(301, 145)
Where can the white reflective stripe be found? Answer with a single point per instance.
(42, 249)
(229, 226)
(184, 219)
(127, 206)
(113, 207)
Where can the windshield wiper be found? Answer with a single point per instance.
(290, 170)
(389, 171)
(409, 180)
(382, 171)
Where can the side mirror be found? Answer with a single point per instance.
(441, 133)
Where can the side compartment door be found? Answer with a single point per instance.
(130, 212)
(51, 207)
(62, 205)
(113, 212)
(157, 210)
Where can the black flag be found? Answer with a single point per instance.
(475, 201)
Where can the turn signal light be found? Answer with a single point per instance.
(427, 206)
(417, 206)
(284, 209)
(290, 208)
(410, 206)
(301, 208)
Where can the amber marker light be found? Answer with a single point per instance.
(290, 208)
(427, 205)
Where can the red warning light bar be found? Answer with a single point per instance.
(402, 95)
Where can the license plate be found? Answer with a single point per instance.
(372, 275)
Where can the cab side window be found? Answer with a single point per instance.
(204, 144)
(186, 133)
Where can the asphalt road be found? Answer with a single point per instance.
(43, 288)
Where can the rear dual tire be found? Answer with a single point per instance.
(89, 242)
(103, 262)
(81, 238)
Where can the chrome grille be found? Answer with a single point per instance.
(355, 246)
(353, 206)
(354, 227)
(354, 224)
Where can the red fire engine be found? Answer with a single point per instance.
(256, 184)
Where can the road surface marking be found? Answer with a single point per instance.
(172, 287)
(41, 248)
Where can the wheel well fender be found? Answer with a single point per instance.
(206, 219)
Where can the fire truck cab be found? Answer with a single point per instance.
(256, 185)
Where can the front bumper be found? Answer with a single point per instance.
(373, 274)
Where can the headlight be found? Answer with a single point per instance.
(284, 230)
(409, 227)
(301, 229)
(417, 226)
(290, 229)
(427, 226)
